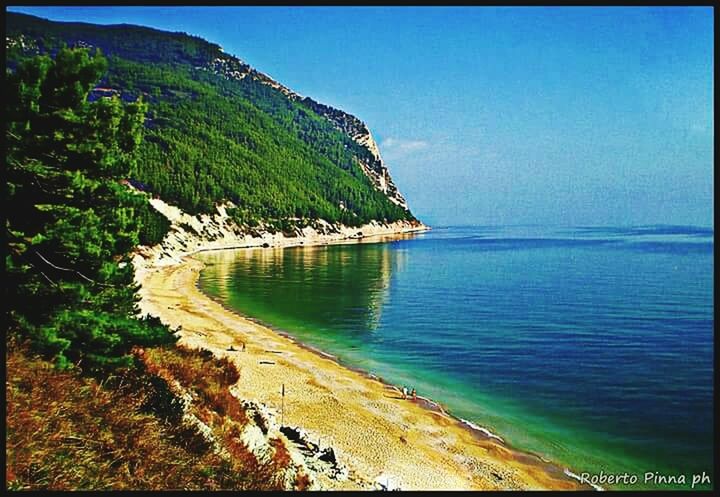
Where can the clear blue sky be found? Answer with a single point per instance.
(592, 116)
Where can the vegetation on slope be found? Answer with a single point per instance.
(212, 138)
(68, 432)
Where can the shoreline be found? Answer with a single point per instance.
(426, 403)
(377, 434)
(482, 432)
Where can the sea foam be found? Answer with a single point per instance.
(578, 478)
(480, 428)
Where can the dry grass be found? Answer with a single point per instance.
(195, 368)
(282, 456)
(67, 432)
(207, 377)
(302, 482)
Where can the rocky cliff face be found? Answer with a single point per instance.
(371, 164)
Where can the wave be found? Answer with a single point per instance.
(481, 429)
(582, 480)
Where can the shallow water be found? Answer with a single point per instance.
(591, 347)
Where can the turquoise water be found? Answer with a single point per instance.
(591, 347)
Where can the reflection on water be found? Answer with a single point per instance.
(342, 287)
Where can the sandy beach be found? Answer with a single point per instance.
(376, 433)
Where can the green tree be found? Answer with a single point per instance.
(71, 223)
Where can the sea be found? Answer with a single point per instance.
(591, 347)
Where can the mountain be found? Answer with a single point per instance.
(220, 132)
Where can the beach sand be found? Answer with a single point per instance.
(374, 432)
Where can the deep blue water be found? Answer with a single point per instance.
(592, 347)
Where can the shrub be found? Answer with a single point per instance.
(68, 432)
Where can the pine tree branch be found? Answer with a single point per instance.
(53, 283)
(48, 278)
(54, 266)
(13, 135)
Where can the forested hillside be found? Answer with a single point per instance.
(218, 131)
